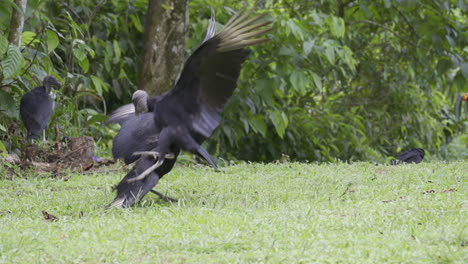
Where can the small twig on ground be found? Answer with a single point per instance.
(347, 189)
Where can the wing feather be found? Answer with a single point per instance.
(210, 75)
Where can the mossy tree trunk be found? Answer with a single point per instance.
(17, 22)
(165, 35)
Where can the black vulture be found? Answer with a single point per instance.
(37, 106)
(411, 156)
(187, 115)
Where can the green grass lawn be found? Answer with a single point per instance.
(273, 213)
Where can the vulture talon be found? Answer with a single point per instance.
(116, 204)
(147, 172)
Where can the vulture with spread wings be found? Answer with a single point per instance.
(155, 129)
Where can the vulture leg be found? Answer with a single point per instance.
(155, 155)
(164, 197)
(147, 172)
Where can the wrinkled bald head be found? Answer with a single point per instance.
(50, 82)
(140, 101)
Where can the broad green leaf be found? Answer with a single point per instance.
(444, 64)
(122, 74)
(246, 124)
(228, 132)
(2, 128)
(12, 62)
(90, 51)
(96, 118)
(330, 54)
(295, 29)
(298, 81)
(7, 104)
(97, 84)
(279, 121)
(464, 69)
(387, 3)
(84, 64)
(257, 123)
(117, 50)
(3, 44)
(27, 37)
(79, 53)
(107, 64)
(337, 26)
(136, 23)
(317, 81)
(3, 150)
(307, 47)
(52, 41)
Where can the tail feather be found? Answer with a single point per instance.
(128, 193)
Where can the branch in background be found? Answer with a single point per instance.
(341, 7)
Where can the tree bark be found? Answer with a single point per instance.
(164, 41)
(17, 22)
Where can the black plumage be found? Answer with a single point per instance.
(128, 191)
(184, 117)
(36, 107)
(411, 156)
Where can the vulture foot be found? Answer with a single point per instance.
(158, 164)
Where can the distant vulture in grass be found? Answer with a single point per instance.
(37, 106)
(411, 156)
(183, 118)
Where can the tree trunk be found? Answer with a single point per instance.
(17, 22)
(165, 35)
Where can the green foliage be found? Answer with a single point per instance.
(11, 63)
(355, 81)
(87, 47)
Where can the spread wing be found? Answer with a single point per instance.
(126, 112)
(210, 74)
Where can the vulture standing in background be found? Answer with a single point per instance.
(37, 106)
(411, 156)
(187, 115)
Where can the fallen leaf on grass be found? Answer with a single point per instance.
(443, 191)
(449, 190)
(401, 198)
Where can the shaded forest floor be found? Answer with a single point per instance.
(274, 213)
